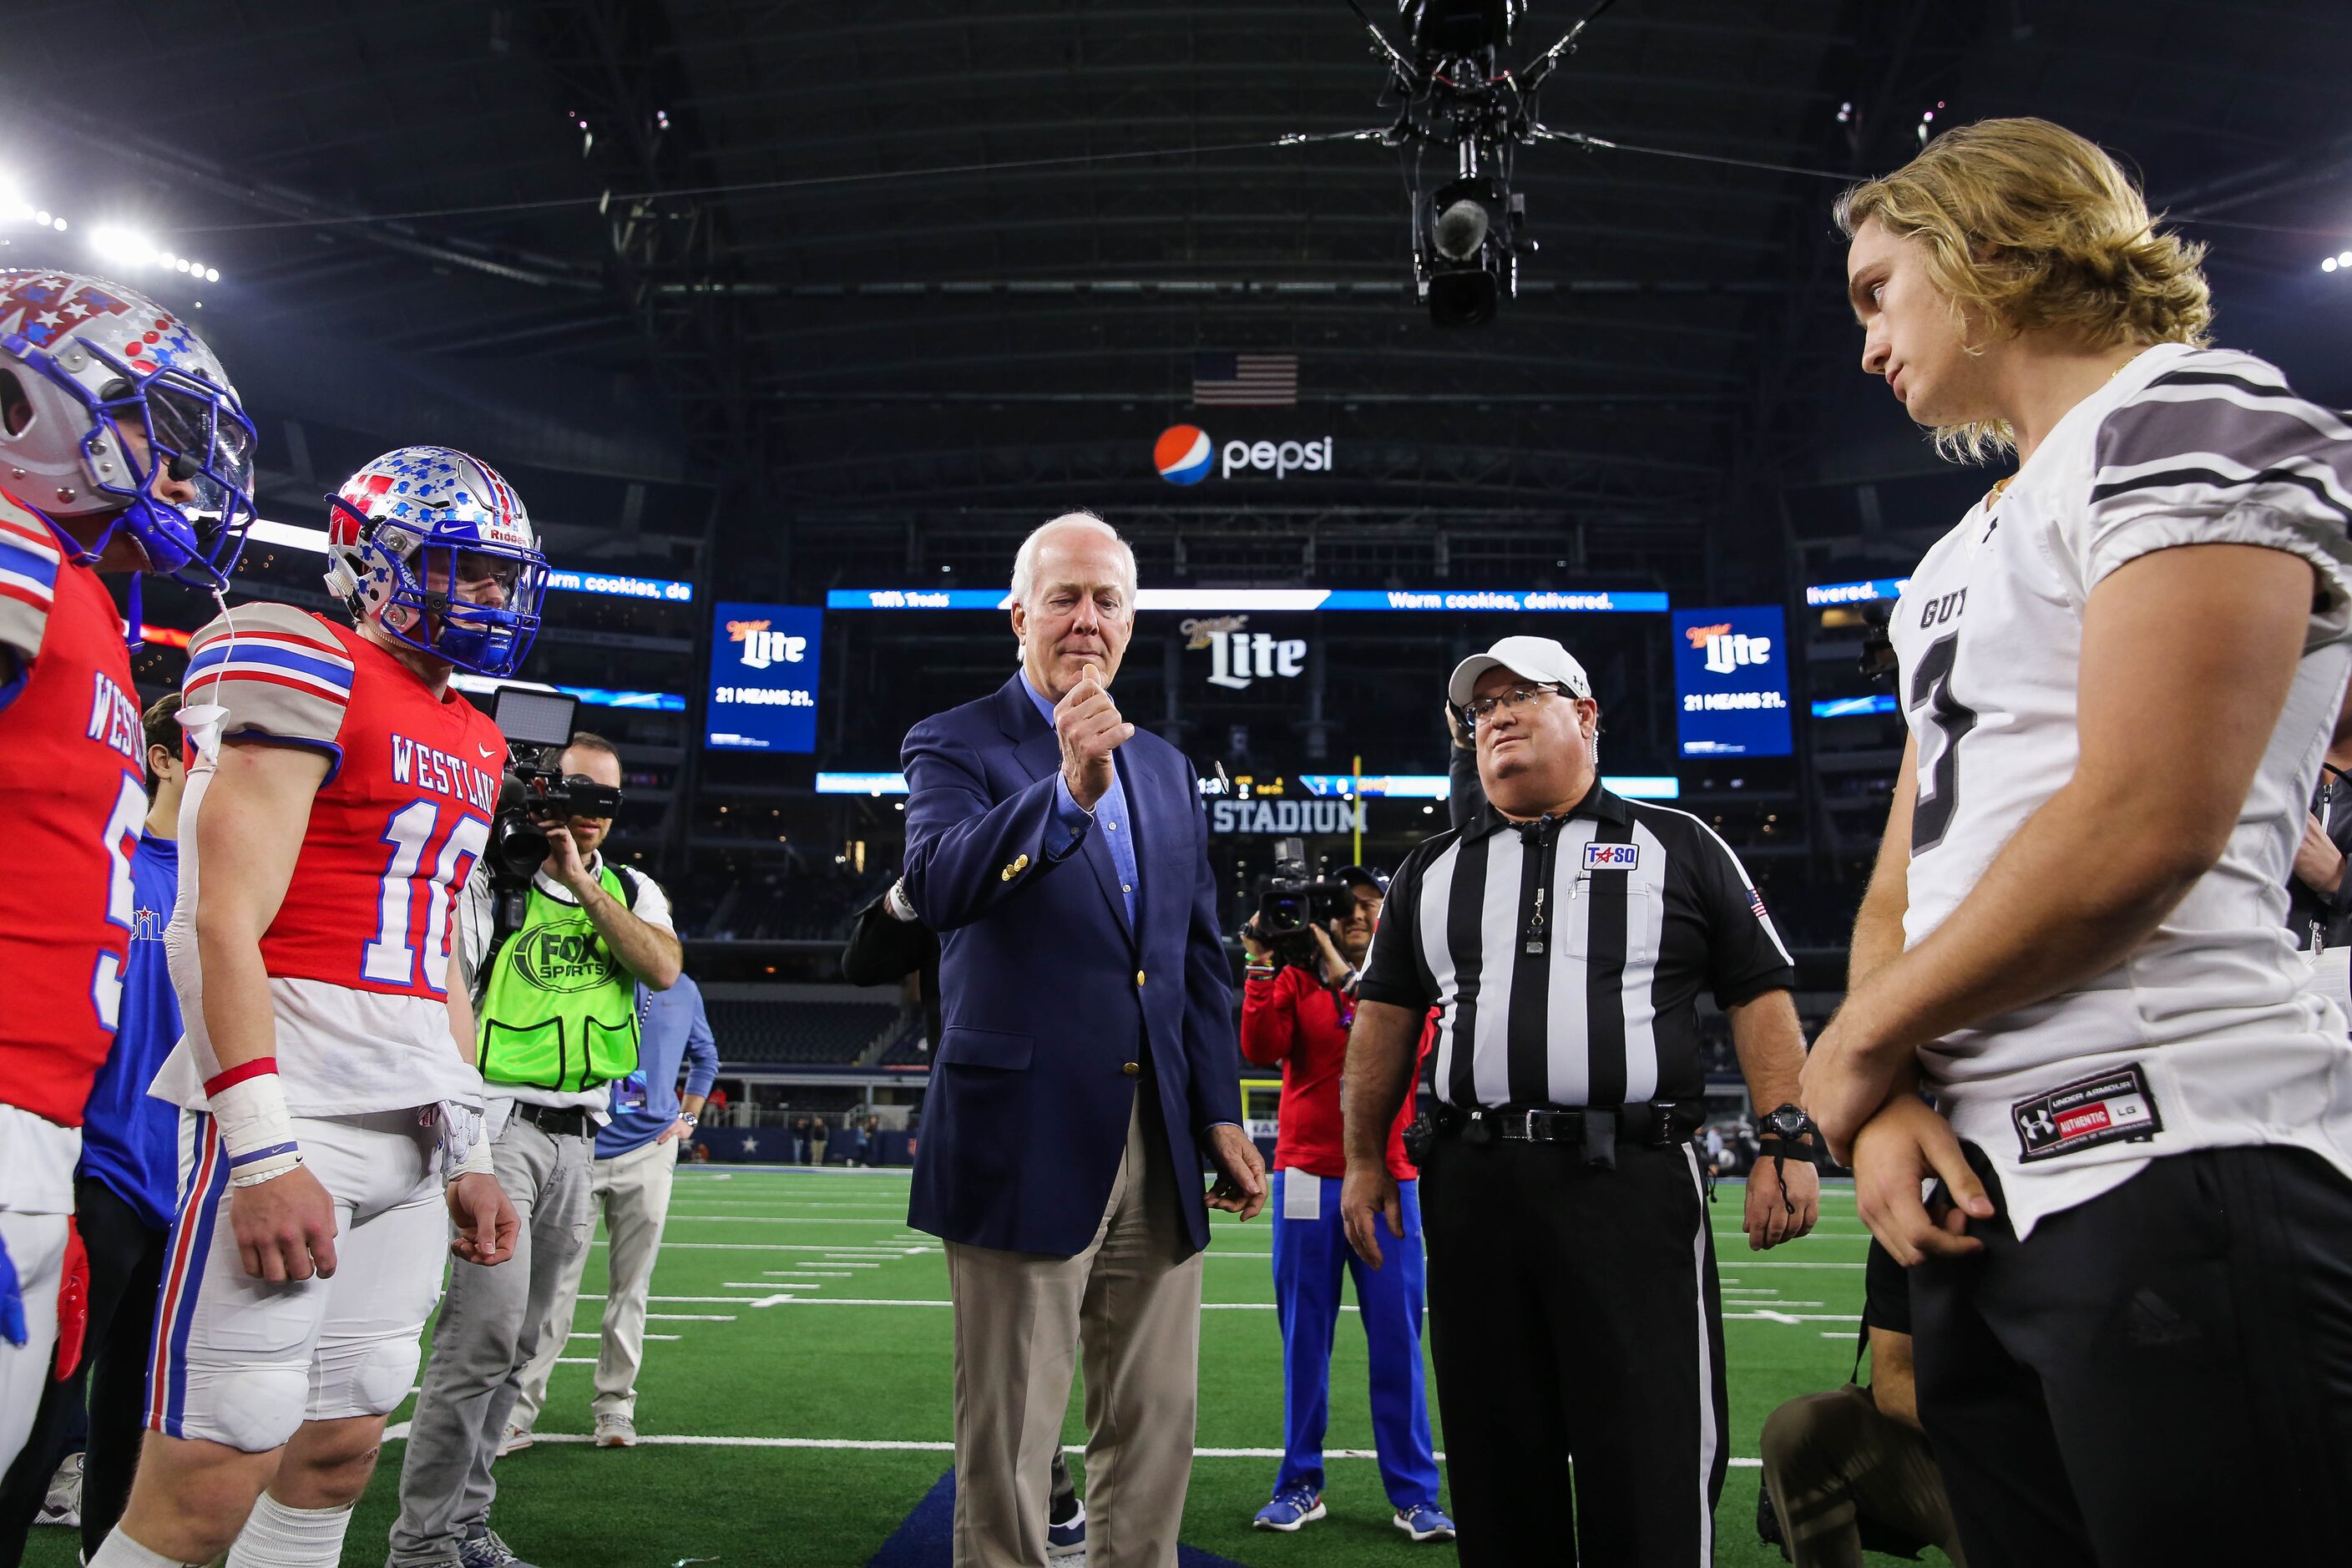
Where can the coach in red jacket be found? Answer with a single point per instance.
(1297, 1002)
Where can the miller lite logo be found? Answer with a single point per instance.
(1236, 657)
(762, 648)
(1728, 651)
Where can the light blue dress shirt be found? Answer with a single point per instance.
(1110, 815)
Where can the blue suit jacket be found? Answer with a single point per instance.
(1047, 995)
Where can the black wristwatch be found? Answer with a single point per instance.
(1785, 1133)
(1785, 1127)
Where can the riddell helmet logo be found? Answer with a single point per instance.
(1183, 453)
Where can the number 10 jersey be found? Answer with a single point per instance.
(357, 954)
(2206, 1035)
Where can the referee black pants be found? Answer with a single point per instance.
(1574, 1314)
(2160, 1375)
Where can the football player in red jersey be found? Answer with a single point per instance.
(123, 449)
(342, 794)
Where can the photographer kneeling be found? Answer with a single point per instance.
(554, 962)
(1297, 1002)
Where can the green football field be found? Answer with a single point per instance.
(794, 1401)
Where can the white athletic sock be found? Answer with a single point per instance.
(119, 1551)
(276, 1536)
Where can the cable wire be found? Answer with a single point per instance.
(946, 171)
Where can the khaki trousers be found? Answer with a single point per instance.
(1130, 1304)
(632, 1192)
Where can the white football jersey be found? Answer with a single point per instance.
(2208, 1035)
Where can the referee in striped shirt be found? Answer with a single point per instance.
(1564, 935)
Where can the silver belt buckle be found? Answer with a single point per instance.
(1528, 1125)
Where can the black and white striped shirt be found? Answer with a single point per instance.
(1565, 956)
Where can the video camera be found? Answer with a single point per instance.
(538, 725)
(1455, 94)
(1291, 901)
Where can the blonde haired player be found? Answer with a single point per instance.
(2133, 1290)
(342, 794)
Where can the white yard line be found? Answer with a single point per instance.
(691, 1317)
(770, 1220)
(888, 1446)
(802, 1246)
(641, 1336)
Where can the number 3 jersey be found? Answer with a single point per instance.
(73, 790)
(357, 954)
(2205, 1036)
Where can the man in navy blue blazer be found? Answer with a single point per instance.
(1084, 1066)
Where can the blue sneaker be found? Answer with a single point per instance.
(1066, 1539)
(1289, 1509)
(1422, 1521)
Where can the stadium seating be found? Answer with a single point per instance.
(796, 1032)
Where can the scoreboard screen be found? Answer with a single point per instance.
(1731, 682)
(763, 676)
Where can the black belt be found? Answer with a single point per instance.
(572, 1120)
(1597, 1129)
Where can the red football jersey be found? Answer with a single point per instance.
(73, 793)
(405, 812)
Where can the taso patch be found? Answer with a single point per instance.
(2113, 1108)
(1612, 857)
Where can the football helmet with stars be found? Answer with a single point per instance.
(109, 403)
(435, 547)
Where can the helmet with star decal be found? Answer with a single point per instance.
(434, 546)
(111, 407)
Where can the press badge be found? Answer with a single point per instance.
(1613, 857)
(1302, 1196)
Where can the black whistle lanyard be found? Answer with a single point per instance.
(1535, 934)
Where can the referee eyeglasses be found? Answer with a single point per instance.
(1480, 710)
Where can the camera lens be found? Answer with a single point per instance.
(520, 843)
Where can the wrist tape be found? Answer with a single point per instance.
(249, 1105)
(465, 1148)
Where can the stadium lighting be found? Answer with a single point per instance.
(120, 245)
(16, 207)
(127, 247)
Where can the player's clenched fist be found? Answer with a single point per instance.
(285, 1227)
(1090, 729)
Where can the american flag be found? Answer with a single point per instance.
(1244, 381)
(1756, 902)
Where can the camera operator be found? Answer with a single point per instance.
(554, 963)
(1305, 943)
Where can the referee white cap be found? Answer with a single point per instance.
(1537, 659)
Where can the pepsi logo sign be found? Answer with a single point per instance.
(1183, 453)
